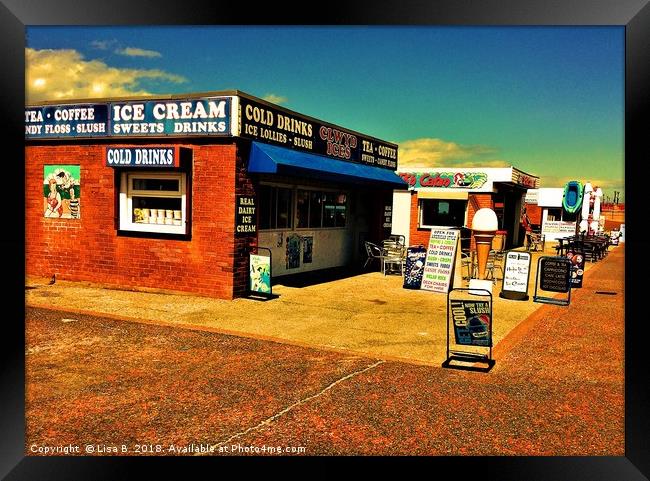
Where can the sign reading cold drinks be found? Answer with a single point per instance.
(289, 129)
(162, 156)
(439, 263)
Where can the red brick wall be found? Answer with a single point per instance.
(89, 249)
(534, 213)
(243, 186)
(421, 236)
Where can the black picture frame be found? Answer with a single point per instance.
(633, 14)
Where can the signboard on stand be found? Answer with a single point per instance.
(414, 270)
(439, 263)
(554, 275)
(470, 319)
(577, 258)
(260, 274)
(516, 273)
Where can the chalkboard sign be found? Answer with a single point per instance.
(516, 273)
(415, 257)
(555, 274)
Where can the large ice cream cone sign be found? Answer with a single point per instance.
(484, 227)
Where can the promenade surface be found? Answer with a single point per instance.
(175, 378)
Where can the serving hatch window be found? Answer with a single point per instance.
(275, 207)
(442, 213)
(153, 202)
(315, 209)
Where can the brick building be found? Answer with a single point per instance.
(175, 192)
(449, 197)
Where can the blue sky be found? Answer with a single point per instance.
(548, 100)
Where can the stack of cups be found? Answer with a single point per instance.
(160, 219)
(177, 217)
(169, 217)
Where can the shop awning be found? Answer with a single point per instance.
(269, 159)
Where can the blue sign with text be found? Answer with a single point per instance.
(83, 120)
(205, 116)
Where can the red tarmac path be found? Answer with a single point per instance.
(557, 388)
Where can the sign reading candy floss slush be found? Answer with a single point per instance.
(82, 120)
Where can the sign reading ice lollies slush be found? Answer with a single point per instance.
(282, 127)
(439, 263)
(162, 156)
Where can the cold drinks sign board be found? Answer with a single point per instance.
(285, 128)
(439, 264)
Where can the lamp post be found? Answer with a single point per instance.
(484, 227)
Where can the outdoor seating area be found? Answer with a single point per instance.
(594, 247)
(391, 254)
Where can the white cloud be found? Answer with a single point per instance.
(102, 44)
(275, 99)
(430, 152)
(65, 74)
(138, 52)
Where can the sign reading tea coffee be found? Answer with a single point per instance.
(439, 264)
(77, 120)
(246, 215)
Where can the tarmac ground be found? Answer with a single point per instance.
(107, 379)
(368, 314)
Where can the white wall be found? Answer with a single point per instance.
(401, 213)
(331, 248)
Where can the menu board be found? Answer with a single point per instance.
(516, 273)
(555, 274)
(439, 263)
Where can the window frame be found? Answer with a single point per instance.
(421, 202)
(127, 192)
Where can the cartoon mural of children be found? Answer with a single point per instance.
(54, 207)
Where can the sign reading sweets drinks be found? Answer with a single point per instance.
(439, 264)
(289, 129)
(204, 116)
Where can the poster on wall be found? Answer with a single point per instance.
(293, 251)
(61, 191)
(260, 273)
(471, 320)
(441, 256)
(414, 269)
(307, 249)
